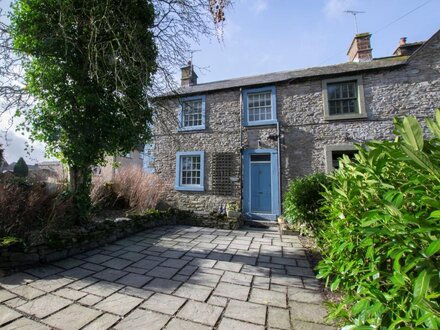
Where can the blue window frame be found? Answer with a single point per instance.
(190, 171)
(260, 106)
(192, 113)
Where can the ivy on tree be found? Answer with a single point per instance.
(89, 65)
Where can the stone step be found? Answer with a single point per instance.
(261, 223)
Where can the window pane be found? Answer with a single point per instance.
(259, 106)
(260, 158)
(190, 170)
(342, 97)
(337, 155)
(192, 113)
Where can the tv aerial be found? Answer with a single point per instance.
(354, 13)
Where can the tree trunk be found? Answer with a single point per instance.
(79, 185)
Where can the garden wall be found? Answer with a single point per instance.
(57, 245)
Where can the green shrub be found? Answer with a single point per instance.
(382, 240)
(21, 169)
(303, 200)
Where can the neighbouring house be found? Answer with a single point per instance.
(116, 163)
(59, 172)
(106, 172)
(244, 139)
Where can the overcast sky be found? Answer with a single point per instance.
(262, 36)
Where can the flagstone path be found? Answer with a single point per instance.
(171, 278)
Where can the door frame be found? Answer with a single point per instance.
(275, 212)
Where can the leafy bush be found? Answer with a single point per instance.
(131, 188)
(381, 243)
(20, 168)
(303, 200)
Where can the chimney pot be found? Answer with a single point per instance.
(188, 76)
(360, 49)
(402, 41)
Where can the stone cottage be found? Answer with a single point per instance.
(244, 139)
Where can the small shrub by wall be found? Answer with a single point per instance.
(303, 201)
(381, 242)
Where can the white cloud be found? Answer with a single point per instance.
(15, 147)
(255, 6)
(335, 8)
(15, 143)
(259, 6)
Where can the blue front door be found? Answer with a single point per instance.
(261, 184)
(261, 187)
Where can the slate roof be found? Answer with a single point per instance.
(302, 74)
(285, 76)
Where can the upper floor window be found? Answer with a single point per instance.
(259, 106)
(192, 113)
(343, 98)
(190, 170)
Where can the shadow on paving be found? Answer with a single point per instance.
(173, 277)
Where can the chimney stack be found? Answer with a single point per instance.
(360, 49)
(188, 76)
(406, 49)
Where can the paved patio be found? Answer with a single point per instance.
(171, 278)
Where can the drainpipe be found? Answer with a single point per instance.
(241, 149)
(279, 168)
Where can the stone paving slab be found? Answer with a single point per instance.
(25, 324)
(193, 291)
(7, 314)
(105, 321)
(176, 277)
(246, 311)
(44, 306)
(201, 313)
(119, 304)
(73, 317)
(164, 303)
(143, 319)
(178, 324)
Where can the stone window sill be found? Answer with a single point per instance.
(348, 116)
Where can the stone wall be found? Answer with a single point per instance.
(411, 89)
(62, 244)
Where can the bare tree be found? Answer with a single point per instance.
(179, 25)
(13, 95)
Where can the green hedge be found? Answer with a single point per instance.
(382, 240)
(303, 200)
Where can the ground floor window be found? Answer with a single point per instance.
(190, 170)
(333, 153)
